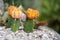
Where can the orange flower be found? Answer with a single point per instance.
(32, 14)
(14, 12)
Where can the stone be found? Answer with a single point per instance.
(1, 7)
(23, 17)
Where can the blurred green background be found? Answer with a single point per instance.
(49, 10)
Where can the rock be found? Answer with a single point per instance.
(43, 33)
(1, 28)
(1, 7)
(23, 17)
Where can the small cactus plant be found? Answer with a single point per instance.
(14, 18)
(31, 16)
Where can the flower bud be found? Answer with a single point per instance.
(32, 14)
(14, 12)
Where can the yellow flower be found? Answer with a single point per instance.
(14, 12)
(32, 14)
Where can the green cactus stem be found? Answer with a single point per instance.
(12, 23)
(16, 24)
(29, 26)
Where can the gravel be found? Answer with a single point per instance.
(42, 33)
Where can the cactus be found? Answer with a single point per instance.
(29, 26)
(16, 24)
(14, 18)
(13, 23)
(31, 16)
